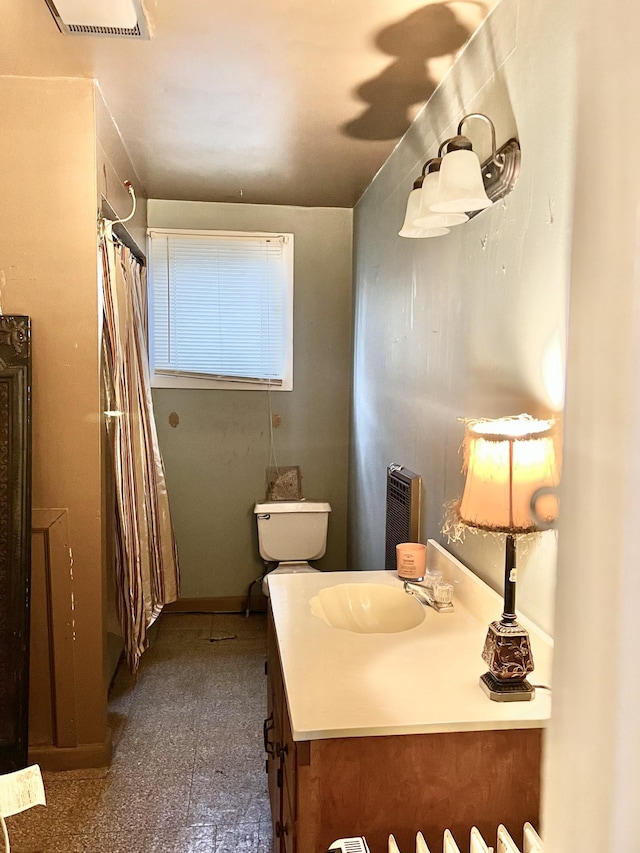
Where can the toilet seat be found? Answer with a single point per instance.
(286, 568)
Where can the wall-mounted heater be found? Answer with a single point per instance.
(404, 497)
(120, 18)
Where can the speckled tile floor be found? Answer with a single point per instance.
(188, 769)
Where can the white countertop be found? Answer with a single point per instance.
(343, 684)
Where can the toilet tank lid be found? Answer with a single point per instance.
(291, 506)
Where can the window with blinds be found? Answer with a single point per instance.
(221, 309)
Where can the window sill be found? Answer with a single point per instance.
(165, 381)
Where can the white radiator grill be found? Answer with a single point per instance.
(531, 843)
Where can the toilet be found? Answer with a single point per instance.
(290, 533)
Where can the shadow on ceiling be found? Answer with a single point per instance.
(428, 33)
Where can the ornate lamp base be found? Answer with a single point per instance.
(513, 690)
(507, 652)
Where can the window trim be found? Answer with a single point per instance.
(178, 380)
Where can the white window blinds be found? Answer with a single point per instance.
(221, 305)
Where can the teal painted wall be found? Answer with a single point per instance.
(471, 324)
(216, 457)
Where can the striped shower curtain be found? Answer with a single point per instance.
(145, 556)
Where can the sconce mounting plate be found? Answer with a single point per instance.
(500, 173)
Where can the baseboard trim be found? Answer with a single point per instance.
(222, 604)
(81, 757)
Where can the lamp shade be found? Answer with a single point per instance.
(419, 233)
(409, 229)
(506, 462)
(425, 217)
(461, 187)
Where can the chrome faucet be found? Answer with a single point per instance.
(439, 596)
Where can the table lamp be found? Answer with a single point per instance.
(511, 479)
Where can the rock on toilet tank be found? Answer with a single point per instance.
(290, 533)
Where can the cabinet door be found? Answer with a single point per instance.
(286, 829)
(289, 769)
(273, 738)
(273, 765)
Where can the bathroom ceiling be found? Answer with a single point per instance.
(263, 101)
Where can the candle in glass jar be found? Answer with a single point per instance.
(411, 559)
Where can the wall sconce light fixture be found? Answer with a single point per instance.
(511, 479)
(454, 186)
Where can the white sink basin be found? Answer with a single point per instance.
(367, 608)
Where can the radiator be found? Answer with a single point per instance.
(404, 495)
(531, 843)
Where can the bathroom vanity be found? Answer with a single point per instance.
(371, 733)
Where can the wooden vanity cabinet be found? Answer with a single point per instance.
(281, 753)
(322, 790)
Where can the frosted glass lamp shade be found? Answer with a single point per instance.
(425, 217)
(413, 205)
(408, 228)
(506, 462)
(420, 233)
(460, 188)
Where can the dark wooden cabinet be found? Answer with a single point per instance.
(15, 538)
(281, 753)
(322, 790)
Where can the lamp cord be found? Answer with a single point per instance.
(272, 447)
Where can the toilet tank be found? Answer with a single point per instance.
(292, 530)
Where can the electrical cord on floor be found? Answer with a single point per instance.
(5, 835)
(542, 687)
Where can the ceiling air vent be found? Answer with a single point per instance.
(119, 18)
